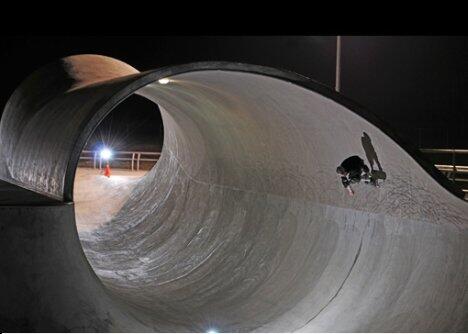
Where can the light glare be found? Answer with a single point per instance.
(106, 154)
(163, 81)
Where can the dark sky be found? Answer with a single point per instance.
(134, 125)
(416, 84)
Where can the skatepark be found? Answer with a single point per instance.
(241, 226)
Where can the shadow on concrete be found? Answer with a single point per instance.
(372, 158)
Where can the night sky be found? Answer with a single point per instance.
(416, 84)
(134, 125)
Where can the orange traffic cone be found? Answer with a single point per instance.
(107, 171)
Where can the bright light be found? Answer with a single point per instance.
(163, 81)
(212, 331)
(106, 154)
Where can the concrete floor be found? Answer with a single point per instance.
(98, 198)
(242, 225)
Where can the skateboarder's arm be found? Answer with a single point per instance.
(346, 182)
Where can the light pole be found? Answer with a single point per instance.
(338, 64)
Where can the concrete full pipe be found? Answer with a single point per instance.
(243, 224)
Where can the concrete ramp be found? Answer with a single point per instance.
(243, 224)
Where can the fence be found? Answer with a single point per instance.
(453, 170)
(135, 158)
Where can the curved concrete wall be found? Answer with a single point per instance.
(243, 224)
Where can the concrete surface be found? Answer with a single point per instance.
(98, 198)
(15, 195)
(242, 225)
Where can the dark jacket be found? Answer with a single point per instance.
(354, 167)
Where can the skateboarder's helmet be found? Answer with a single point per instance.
(340, 170)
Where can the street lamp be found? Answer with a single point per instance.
(338, 64)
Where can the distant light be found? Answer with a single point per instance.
(106, 154)
(163, 81)
(212, 331)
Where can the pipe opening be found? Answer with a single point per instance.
(243, 224)
(207, 238)
(124, 147)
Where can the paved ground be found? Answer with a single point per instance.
(98, 198)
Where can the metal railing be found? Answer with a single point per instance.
(134, 157)
(444, 150)
(452, 169)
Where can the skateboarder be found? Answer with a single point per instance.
(352, 170)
